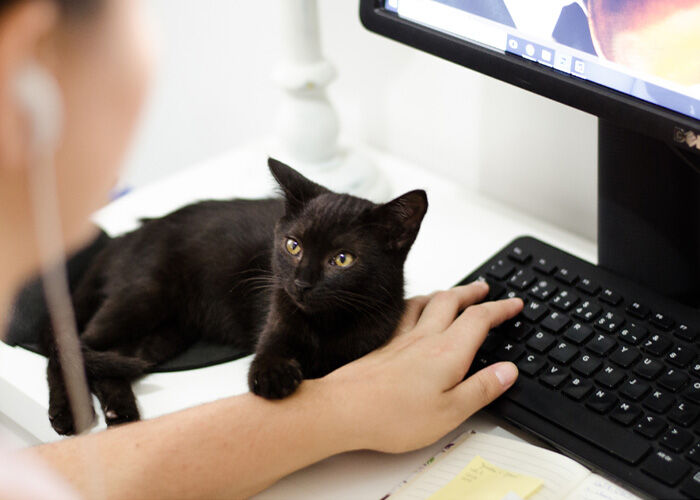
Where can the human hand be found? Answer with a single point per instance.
(411, 392)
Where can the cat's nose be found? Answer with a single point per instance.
(302, 286)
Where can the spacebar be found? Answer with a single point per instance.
(578, 420)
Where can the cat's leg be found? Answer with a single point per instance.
(276, 370)
(60, 414)
(122, 318)
(116, 399)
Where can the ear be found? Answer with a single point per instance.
(402, 217)
(297, 189)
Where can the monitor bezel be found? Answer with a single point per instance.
(621, 109)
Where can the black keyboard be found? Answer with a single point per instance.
(609, 370)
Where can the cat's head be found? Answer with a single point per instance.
(337, 251)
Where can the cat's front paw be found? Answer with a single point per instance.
(274, 377)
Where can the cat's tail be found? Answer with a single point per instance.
(109, 364)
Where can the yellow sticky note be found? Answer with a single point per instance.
(481, 480)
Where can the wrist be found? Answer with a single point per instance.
(330, 409)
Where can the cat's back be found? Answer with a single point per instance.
(201, 240)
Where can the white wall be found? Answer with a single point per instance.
(214, 93)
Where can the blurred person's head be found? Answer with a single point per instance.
(658, 37)
(99, 54)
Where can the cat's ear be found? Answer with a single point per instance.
(297, 189)
(401, 218)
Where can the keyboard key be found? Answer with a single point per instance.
(515, 329)
(662, 321)
(541, 341)
(543, 289)
(673, 380)
(667, 468)
(578, 388)
(695, 370)
(686, 333)
(601, 401)
(694, 454)
(634, 389)
(681, 356)
(684, 414)
(578, 333)
(586, 365)
(519, 255)
(691, 487)
(522, 279)
(610, 322)
(554, 377)
(610, 297)
(650, 426)
(508, 352)
(625, 413)
(587, 311)
(648, 368)
(625, 356)
(639, 310)
(692, 393)
(593, 429)
(633, 333)
(563, 353)
(601, 344)
(500, 269)
(555, 322)
(544, 265)
(610, 377)
(565, 276)
(658, 401)
(657, 345)
(531, 364)
(564, 300)
(534, 311)
(588, 286)
(676, 439)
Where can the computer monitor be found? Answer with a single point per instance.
(633, 63)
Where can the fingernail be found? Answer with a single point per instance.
(506, 373)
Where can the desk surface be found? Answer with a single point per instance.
(460, 231)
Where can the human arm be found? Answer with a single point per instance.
(402, 396)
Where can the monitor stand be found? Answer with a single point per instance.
(649, 212)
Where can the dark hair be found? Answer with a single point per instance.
(68, 7)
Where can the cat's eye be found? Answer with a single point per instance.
(343, 259)
(293, 246)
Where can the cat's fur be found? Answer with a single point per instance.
(218, 267)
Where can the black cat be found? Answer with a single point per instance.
(314, 279)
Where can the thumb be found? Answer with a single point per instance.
(484, 386)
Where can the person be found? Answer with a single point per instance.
(400, 397)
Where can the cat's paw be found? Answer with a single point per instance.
(274, 377)
(61, 418)
(115, 415)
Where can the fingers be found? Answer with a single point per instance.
(475, 322)
(444, 306)
(468, 332)
(483, 387)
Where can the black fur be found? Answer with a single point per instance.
(218, 267)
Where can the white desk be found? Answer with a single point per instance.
(461, 230)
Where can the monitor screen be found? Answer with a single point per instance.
(648, 49)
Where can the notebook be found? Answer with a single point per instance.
(477, 460)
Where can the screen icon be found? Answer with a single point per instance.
(530, 49)
(562, 62)
(513, 44)
(547, 55)
(579, 66)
